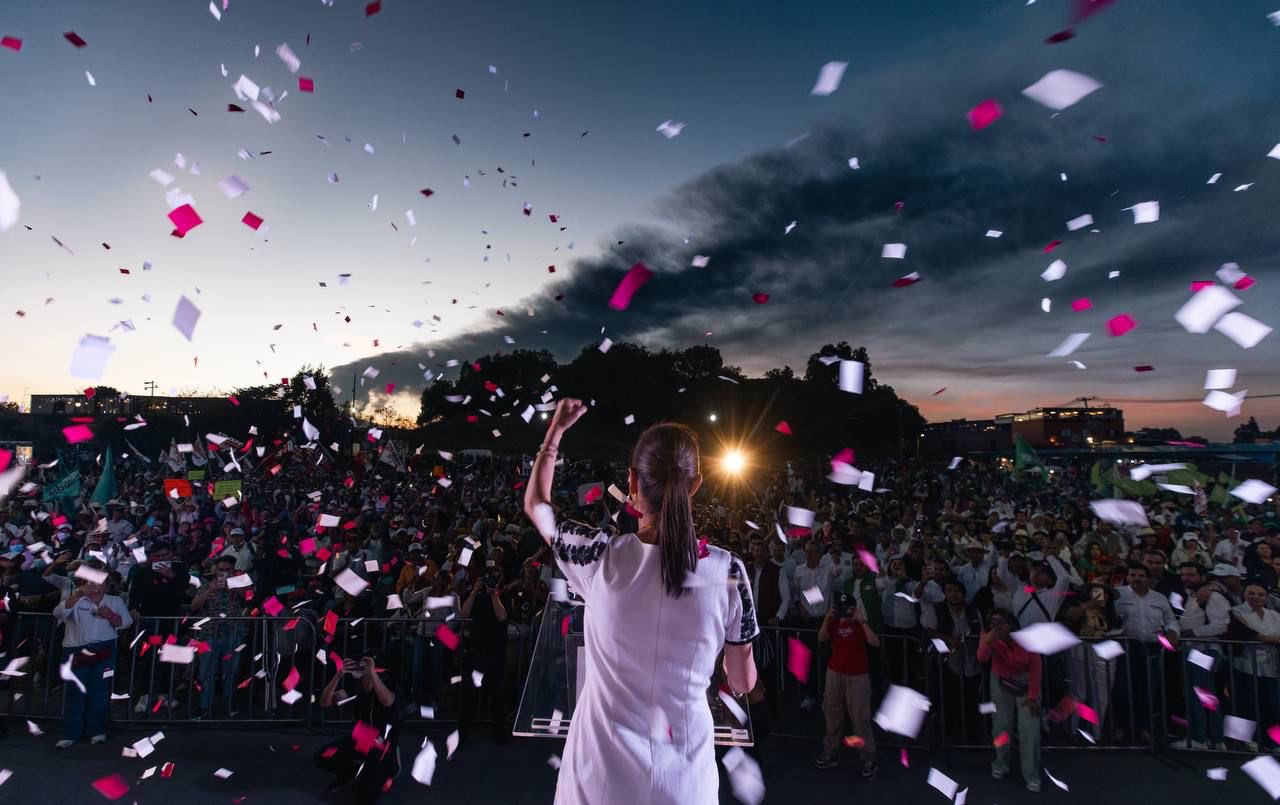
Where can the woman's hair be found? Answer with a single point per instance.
(666, 463)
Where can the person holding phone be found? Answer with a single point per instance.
(660, 609)
(1015, 690)
(848, 688)
(368, 757)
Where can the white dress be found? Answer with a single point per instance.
(641, 730)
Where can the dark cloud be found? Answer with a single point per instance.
(976, 314)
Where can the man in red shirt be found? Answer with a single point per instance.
(848, 683)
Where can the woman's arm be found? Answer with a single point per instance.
(538, 491)
(739, 667)
(326, 696)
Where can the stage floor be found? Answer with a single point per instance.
(275, 768)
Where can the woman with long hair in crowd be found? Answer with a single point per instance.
(659, 610)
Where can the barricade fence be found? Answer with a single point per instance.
(1214, 694)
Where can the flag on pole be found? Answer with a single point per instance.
(106, 488)
(1025, 458)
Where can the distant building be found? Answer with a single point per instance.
(78, 404)
(1070, 427)
(961, 436)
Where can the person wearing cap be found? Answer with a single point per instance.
(369, 757)
(1229, 581)
(92, 619)
(1039, 601)
(239, 550)
(1190, 549)
(118, 527)
(1229, 549)
(848, 684)
(973, 571)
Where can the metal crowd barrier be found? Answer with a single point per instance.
(243, 665)
(1223, 693)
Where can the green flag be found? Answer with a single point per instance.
(106, 488)
(1025, 458)
(65, 488)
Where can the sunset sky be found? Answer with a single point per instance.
(561, 107)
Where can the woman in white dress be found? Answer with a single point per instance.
(658, 613)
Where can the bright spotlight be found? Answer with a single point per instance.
(712, 417)
(734, 461)
(543, 415)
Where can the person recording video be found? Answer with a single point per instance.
(367, 757)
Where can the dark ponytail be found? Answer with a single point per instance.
(666, 463)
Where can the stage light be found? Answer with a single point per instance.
(543, 415)
(712, 417)
(734, 461)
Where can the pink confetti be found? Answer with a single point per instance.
(759, 298)
(636, 277)
(909, 279)
(373, 8)
(77, 433)
(1001, 739)
(1087, 713)
(74, 38)
(184, 219)
(1061, 36)
(447, 636)
(1199, 285)
(984, 114)
(291, 681)
(1144, 368)
(1244, 283)
(1273, 732)
(845, 456)
(902, 758)
(1082, 304)
(112, 786)
(1207, 699)
(1119, 325)
(593, 494)
(306, 84)
(798, 657)
(783, 428)
(564, 626)
(11, 42)
(1084, 9)
(1053, 244)
(939, 391)
(252, 221)
(391, 387)
(1164, 641)
(272, 606)
(703, 550)
(869, 559)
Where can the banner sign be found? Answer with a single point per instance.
(68, 486)
(226, 489)
(183, 487)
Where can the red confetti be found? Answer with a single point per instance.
(1084, 9)
(306, 84)
(1081, 304)
(593, 494)
(252, 221)
(459, 94)
(1144, 368)
(759, 298)
(1199, 285)
(853, 741)
(391, 387)
(89, 392)
(231, 107)
(1119, 325)
(939, 391)
(112, 786)
(373, 8)
(447, 636)
(703, 550)
(783, 428)
(291, 681)
(902, 282)
(184, 219)
(1053, 244)
(554, 218)
(1061, 36)
(11, 42)
(564, 626)
(1244, 282)
(77, 433)
(74, 38)
(984, 114)
(233, 400)
(1001, 739)
(427, 191)
(551, 269)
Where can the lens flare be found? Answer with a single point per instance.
(734, 461)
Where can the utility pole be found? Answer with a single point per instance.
(150, 385)
(1084, 401)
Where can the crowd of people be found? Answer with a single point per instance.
(920, 583)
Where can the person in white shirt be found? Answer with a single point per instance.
(239, 550)
(1230, 550)
(1206, 613)
(1256, 667)
(1049, 582)
(838, 562)
(1145, 618)
(92, 619)
(973, 573)
(810, 577)
(118, 527)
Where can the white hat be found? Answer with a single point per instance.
(1224, 569)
